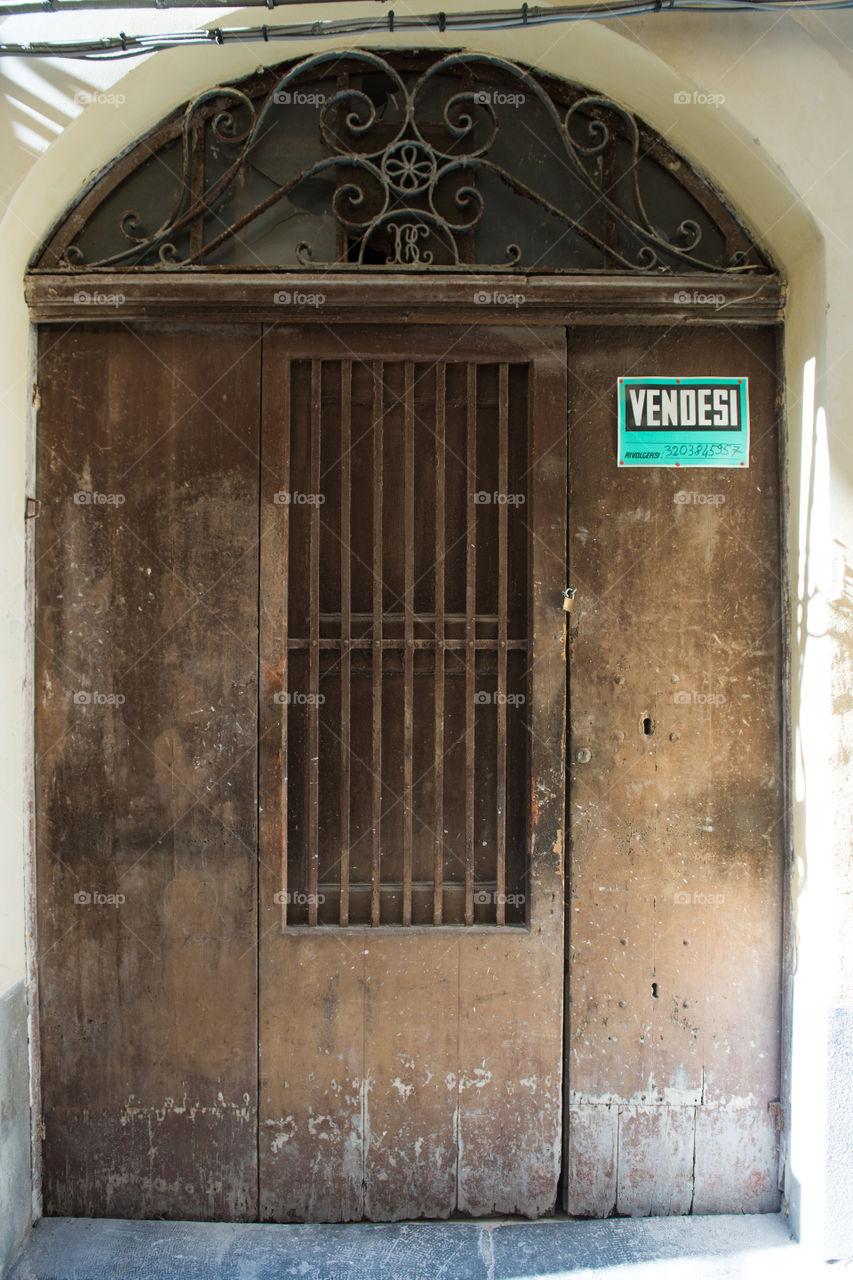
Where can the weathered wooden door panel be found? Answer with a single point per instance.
(509, 1087)
(146, 685)
(413, 1067)
(677, 815)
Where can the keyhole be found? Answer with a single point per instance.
(654, 990)
(648, 727)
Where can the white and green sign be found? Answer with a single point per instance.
(683, 422)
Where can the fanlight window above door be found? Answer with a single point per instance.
(404, 162)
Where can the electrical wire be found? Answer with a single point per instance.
(112, 48)
(71, 6)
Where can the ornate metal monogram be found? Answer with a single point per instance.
(355, 160)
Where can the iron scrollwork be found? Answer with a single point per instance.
(406, 164)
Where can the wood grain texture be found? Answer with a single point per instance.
(412, 1071)
(593, 1139)
(512, 994)
(411, 1038)
(655, 1174)
(737, 1159)
(145, 738)
(676, 819)
(509, 1075)
(313, 1084)
(405, 298)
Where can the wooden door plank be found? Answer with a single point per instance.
(145, 735)
(411, 1044)
(510, 1068)
(676, 899)
(591, 1166)
(392, 1059)
(311, 992)
(661, 1186)
(510, 1074)
(737, 1161)
(313, 1085)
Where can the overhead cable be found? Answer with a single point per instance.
(125, 46)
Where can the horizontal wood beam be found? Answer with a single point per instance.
(222, 296)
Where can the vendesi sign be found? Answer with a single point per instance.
(683, 422)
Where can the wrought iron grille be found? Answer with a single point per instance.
(409, 162)
(402, 602)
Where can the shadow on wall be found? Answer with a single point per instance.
(40, 98)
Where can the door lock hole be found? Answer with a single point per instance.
(648, 726)
(654, 991)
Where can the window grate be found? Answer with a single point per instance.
(415, 162)
(402, 538)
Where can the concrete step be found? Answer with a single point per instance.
(696, 1248)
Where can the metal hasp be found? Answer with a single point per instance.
(406, 162)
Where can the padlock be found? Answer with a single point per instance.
(568, 598)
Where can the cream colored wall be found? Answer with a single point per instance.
(779, 144)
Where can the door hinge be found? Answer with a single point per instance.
(777, 1111)
(32, 509)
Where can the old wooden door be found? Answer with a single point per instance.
(146, 713)
(677, 797)
(391, 951)
(411, 778)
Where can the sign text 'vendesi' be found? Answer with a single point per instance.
(683, 422)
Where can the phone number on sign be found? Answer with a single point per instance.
(702, 450)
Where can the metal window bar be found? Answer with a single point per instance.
(313, 761)
(470, 639)
(342, 635)
(284, 480)
(376, 829)
(503, 572)
(346, 633)
(438, 693)
(409, 657)
(355, 643)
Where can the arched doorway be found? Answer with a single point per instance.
(336, 321)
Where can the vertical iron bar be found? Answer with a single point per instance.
(376, 864)
(346, 631)
(196, 182)
(503, 571)
(470, 636)
(284, 578)
(438, 733)
(314, 660)
(409, 657)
